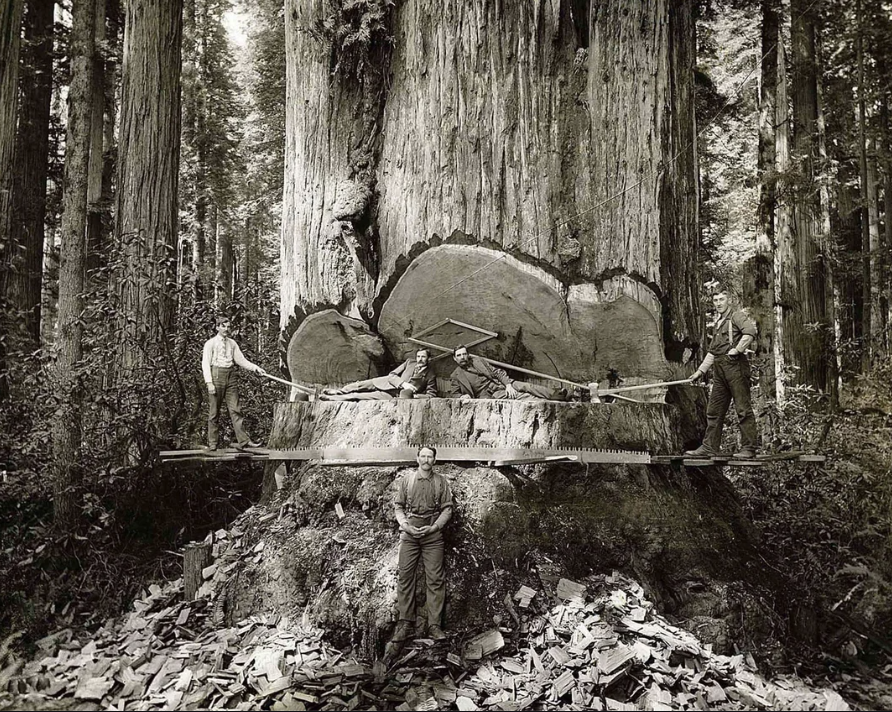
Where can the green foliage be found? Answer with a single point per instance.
(352, 31)
(828, 525)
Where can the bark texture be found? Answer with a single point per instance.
(149, 149)
(23, 287)
(10, 41)
(807, 328)
(68, 342)
(10, 25)
(564, 138)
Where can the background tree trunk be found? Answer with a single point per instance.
(806, 316)
(533, 134)
(68, 343)
(867, 328)
(31, 163)
(10, 33)
(149, 148)
(783, 252)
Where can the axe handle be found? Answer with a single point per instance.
(298, 386)
(641, 387)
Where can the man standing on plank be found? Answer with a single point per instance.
(734, 332)
(475, 378)
(423, 508)
(411, 379)
(217, 359)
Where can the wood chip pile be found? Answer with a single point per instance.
(563, 647)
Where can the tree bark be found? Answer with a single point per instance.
(68, 342)
(534, 137)
(25, 279)
(197, 557)
(783, 256)
(807, 316)
(149, 149)
(10, 33)
(224, 266)
(867, 327)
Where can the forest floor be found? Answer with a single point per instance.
(604, 649)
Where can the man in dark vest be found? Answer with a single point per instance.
(411, 379)
(475, 378)
(423, 507)
(734, 332)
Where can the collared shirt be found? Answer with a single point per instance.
(727, 331)
(222, 352)
(423, 496)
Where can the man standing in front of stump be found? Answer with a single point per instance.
(734, 332)
(423, 507)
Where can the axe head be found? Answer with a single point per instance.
(593, 392)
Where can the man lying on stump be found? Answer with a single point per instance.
(734, 332)
(423, 507)
(411, 379)
(475, 378)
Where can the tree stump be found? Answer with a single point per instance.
(197, 558)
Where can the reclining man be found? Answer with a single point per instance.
(475, 378)
(411, 379)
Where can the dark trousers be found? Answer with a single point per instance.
(381, 388)
(225, 384)
(428, 550)
(731, 381)
(529, 391)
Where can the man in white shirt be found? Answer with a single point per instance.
(219, 355)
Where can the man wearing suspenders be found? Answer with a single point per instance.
(423, 507)
(734, 332)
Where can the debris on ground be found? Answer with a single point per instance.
(599, 646)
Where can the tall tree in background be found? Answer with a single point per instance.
(783, 248)
(10, 33)
(24, 280)
(68, 343)
(211, 133)
(806, 317)
(102, 133)
(149, 152)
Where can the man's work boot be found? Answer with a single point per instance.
(702, 451)
(403, 631)
(435, 632)
(744, 454)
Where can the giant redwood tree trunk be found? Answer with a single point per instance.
(561, 134)
(68, 342)
(149, 150)
(31, 163)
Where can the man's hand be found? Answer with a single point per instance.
(696, 376)
(733, 353)
(212, 389)
(464, 397)
(406, 385)
(259, 371)
(512, 391)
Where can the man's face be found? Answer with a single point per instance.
(426, 459)
(421, 358)
(461, 357)
(223, 329)
(720, 302)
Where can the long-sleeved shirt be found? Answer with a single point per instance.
(222, 352)
(479, 379)
(422, 378)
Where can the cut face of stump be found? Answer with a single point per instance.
(578, 332)
(330, 348)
